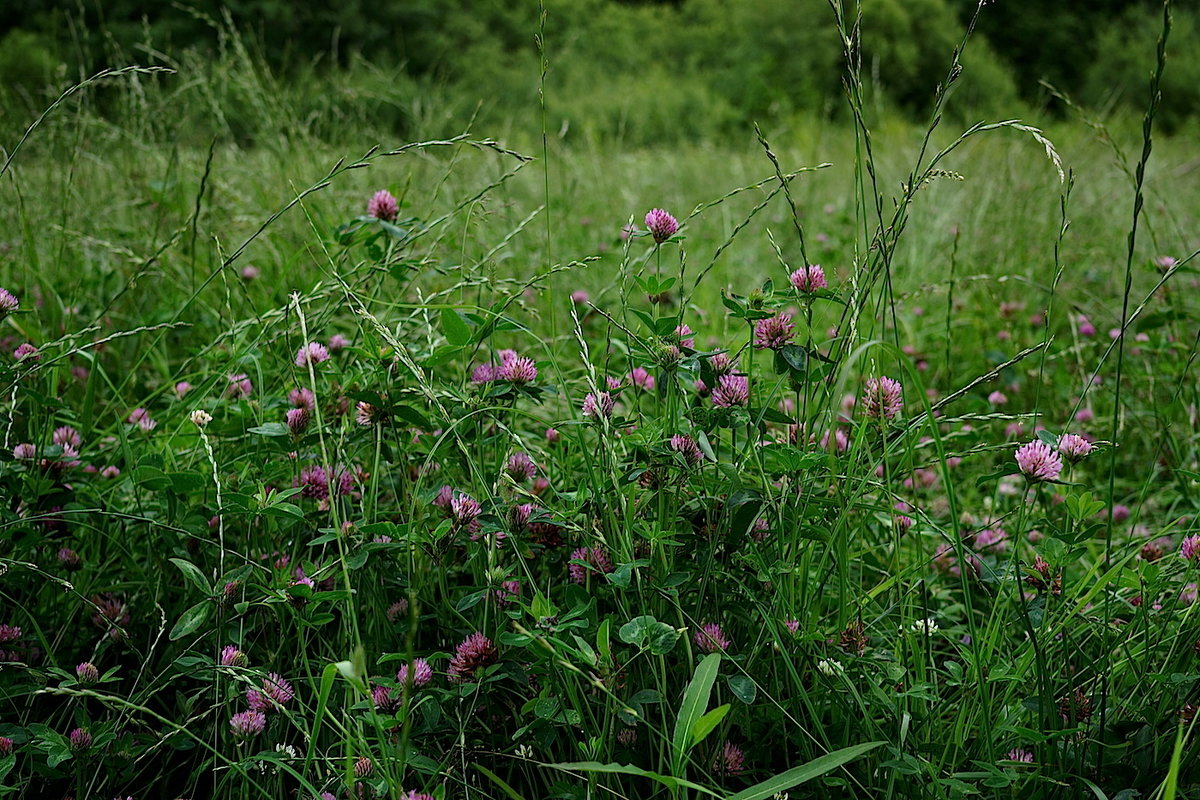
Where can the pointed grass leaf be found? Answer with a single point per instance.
(269, 429)
(806, 772)
(628, 769)
(500, 784)
(695, 701)
(705, 725)
(328, 676)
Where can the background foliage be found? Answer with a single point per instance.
(901, 612)
(639, 69)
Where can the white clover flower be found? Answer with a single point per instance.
(200, 418)
(927, 627)
(829, 667)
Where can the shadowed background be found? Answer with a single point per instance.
(638, 72)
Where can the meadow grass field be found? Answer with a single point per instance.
(823, 460)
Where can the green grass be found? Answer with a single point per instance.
(125, 236)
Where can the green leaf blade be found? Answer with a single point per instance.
(804, 773)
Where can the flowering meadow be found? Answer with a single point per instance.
(844, 464)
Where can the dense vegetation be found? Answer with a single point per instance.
(633, 70)
(347, 454)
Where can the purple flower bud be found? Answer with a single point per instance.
(247, 724)
(297, 420)
(1074, 447)
(69, 558)
(710, 638)
(731, 390)
(80, 739)
(662, 225)
(397, 611)
(882, 398)
(1038, 461)
(232, 656)
(472, 655)
(1189, 550)
(383, 205)
(520, 467)
(416, 675)
(518, 370)
(774, 332)
(808, 279)
(312, 353)
(597, 406)
(239, 386)
(686, 446)
(141, 418)
(592, 557)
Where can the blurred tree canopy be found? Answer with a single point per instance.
(656, 60)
